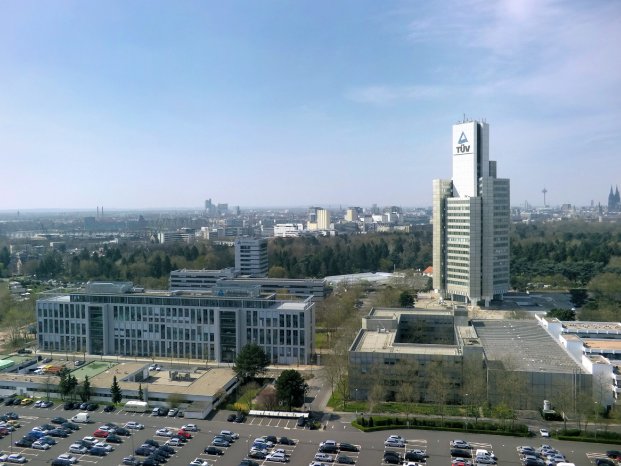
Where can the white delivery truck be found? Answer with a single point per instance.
(83, 418)
(135, 406)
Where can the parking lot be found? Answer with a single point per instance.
(302, 453)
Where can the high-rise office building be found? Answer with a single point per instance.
(471, 222)
(251, 256)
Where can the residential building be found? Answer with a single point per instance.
(251, 256)
(117, 318)
(471, 222)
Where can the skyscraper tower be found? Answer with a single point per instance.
(471, 222)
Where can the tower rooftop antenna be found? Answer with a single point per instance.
(544, 191)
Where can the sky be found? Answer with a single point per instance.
(152, 104)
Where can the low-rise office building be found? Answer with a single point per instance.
(596, 346)
(185, 279)
(438, 352)
(212, 325)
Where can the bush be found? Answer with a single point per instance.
(386, 423)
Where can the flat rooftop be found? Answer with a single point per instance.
(393, 313)
(603, 344)
(523, 345)
(206, 382)
(584, 326)
(384, 342)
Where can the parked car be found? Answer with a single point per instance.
(173, 412)
(344, 459)
(16, 458)
(198, 462)
(348, 447)
(109, 409)
(71, 459)
(174, 442)
(259, 455)
(460, 444)
(131, 460)
(97, 451)
(122, 431)
(286, 441)
(134, 425)
(77, 448)
(220, 442)
(277, 457)
(58, 420)
(190, 428)
(38, 445)
(544, 432)
(211, 450)
(239, 418)
(230, 418)
(114, 438)
(163, 433)
(24, 442)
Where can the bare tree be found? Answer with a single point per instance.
(438, 389)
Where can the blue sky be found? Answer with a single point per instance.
(149, 104)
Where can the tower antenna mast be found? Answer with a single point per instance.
(544, 191)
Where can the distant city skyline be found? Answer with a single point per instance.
(157, 105)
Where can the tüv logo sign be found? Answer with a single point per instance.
(462, 148)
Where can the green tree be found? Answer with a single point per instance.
(562, 314)
(64, 385)
(406, 299)
(250, 362)
(85, 389)
(115, 391)
(579, 296)
(291, 388)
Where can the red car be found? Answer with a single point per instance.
(184, 433)
(100, 433)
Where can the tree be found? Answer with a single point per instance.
(578, 296)
(140, 393)
(291, 388)
(562, 314)
(175, 399)
(251, 361)
(406, 299)
(115, 391)
(85, 389)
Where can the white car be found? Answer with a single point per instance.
(40, 445)
(174, 442)
(544, 432)
(106, 428)
(77, 448)
(391, 442)
(105, 446)
(277, 457)
(317, 463)
(324, 457)
(233, 435)
(163, 433)
(190, 428)
(90, 439)
(484, 460)
(69, 458)
(198, 462)
(134, 425)
(16, 458)
(460, 444)
(328, 443)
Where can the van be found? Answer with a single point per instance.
(83, 418)
(487, 454)
(155, 412)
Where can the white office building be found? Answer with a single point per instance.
(251, 256)
(119, 319)
(471, 222)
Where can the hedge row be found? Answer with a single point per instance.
(376, 423)
(576, 435)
